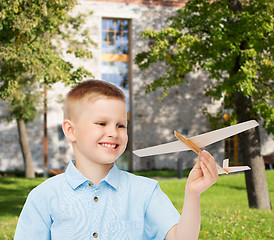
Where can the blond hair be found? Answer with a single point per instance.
(90, 90)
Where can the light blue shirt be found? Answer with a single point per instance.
(122, 207)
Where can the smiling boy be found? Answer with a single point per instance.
(93, 199)
(96, 126)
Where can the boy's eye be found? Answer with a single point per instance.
(121, 126)
(101, 124)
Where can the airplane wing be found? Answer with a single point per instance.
(171, 147)
(199, 140)
(231, 169)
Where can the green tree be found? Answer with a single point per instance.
(232, 40)
(34, 36)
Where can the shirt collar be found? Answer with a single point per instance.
(75, 178)
(113, 177)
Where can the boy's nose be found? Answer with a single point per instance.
(112, 132)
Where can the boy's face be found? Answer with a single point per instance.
(101, 131)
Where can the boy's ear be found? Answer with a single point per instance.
(68, 129)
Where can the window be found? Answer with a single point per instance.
(232, 151)
(115, 36)
(115, 65)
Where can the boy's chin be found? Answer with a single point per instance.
(109, 161)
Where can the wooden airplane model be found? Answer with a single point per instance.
(196, 142)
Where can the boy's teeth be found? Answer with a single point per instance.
(109, 145)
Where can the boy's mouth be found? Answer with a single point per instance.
(110, 146)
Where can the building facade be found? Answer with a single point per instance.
(115, 26)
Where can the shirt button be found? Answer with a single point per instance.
(95, 235)
(95, 199)
(90, 184)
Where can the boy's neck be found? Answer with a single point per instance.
(93, 171)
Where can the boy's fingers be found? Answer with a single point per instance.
(209, 163)
(205, 170)
(209, 179)
(197, 165)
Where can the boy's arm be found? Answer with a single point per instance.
(34, 221)
(201, 177)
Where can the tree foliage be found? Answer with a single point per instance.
(234, 44)
(34, 36)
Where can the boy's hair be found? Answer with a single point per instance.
(90, 90)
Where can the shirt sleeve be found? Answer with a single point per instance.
(160, 216)
(34, 221)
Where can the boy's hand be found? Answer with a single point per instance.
(203, 175)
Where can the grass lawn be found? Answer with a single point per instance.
(225, 212)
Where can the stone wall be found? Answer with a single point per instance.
(152, 122)
(59, 149)
(167, 3)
